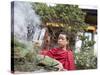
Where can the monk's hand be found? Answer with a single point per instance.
(60, 66)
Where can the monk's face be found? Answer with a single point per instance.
(62, 41)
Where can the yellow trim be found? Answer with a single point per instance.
(55, 24)
(62, 25)
(91, 28)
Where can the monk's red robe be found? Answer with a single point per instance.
(65, 57)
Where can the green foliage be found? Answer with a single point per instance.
(20, 49)
(29, 60)
(47, 62)
(22, 58)
(18, 43)
(70, 15)
(86, 59)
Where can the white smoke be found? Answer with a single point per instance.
(24, 15)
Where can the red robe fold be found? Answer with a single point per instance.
(65, 57)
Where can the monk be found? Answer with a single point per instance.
(62, 53)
